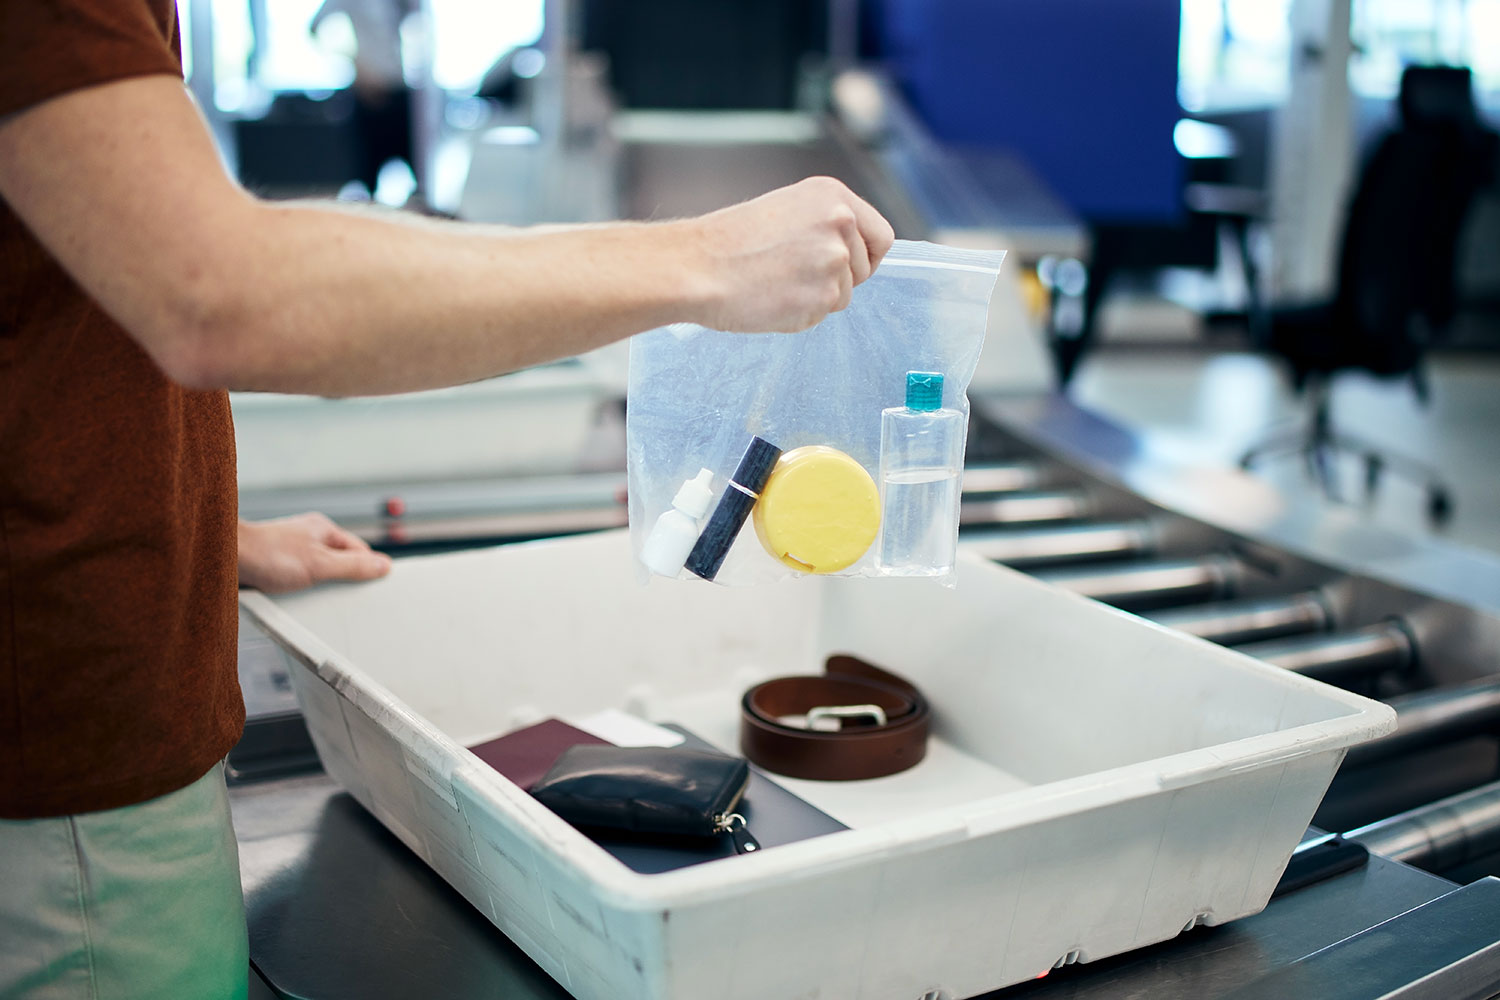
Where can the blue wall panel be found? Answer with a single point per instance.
(1085, 90)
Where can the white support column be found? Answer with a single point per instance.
(418, 44)
(199, 46)
(1313, 153)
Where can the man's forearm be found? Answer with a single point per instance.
(122, 184)
(336, 302)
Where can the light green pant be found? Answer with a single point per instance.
(141, 902)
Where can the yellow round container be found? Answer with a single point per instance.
(820, 510)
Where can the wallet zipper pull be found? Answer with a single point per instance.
(734, 825)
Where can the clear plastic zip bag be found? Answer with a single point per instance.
(838, 450)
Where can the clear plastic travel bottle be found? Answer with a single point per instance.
(921, 464)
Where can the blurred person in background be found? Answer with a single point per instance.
(382, 100)
(139, 283)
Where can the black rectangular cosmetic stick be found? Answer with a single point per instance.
(734, 507)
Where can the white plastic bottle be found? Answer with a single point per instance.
(921, 465)
(673, 535)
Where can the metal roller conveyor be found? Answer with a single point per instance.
(1432, 718)
(1374, 649)
(1026, 508)
(1049, 546)
(1234, 622)
(1003, 477)
(1440, 835)
(1153, 584)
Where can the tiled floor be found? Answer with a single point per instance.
(1205, 407)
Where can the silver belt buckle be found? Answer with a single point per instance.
(830, 718)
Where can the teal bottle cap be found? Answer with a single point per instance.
(924, 390)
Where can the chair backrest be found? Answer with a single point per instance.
(1396, 283)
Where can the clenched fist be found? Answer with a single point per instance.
(783, 261)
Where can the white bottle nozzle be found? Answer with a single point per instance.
(696, 494)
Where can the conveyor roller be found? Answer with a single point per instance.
(1026, 508)
(1440, 835)
(1075, 543)
(1432, 718)
(1233, 622)
(1152, 584)
(1341, 656)
(1003, 477)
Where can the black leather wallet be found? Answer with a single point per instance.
(649, 790)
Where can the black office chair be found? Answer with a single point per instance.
(1395, 295)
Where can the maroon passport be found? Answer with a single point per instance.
(526, 754)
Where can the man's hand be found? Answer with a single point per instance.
(783, 261)
(296, 552)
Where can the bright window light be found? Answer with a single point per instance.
(468, 36)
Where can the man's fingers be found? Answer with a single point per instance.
(859, 256)
(846, 290)
(349, 564)
(874, 230)
(337, 538)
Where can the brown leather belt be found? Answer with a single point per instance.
(871, 723)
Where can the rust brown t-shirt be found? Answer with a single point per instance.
(117, 492)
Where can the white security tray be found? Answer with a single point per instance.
(1094, 784)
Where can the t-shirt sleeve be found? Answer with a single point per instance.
(50, 47)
